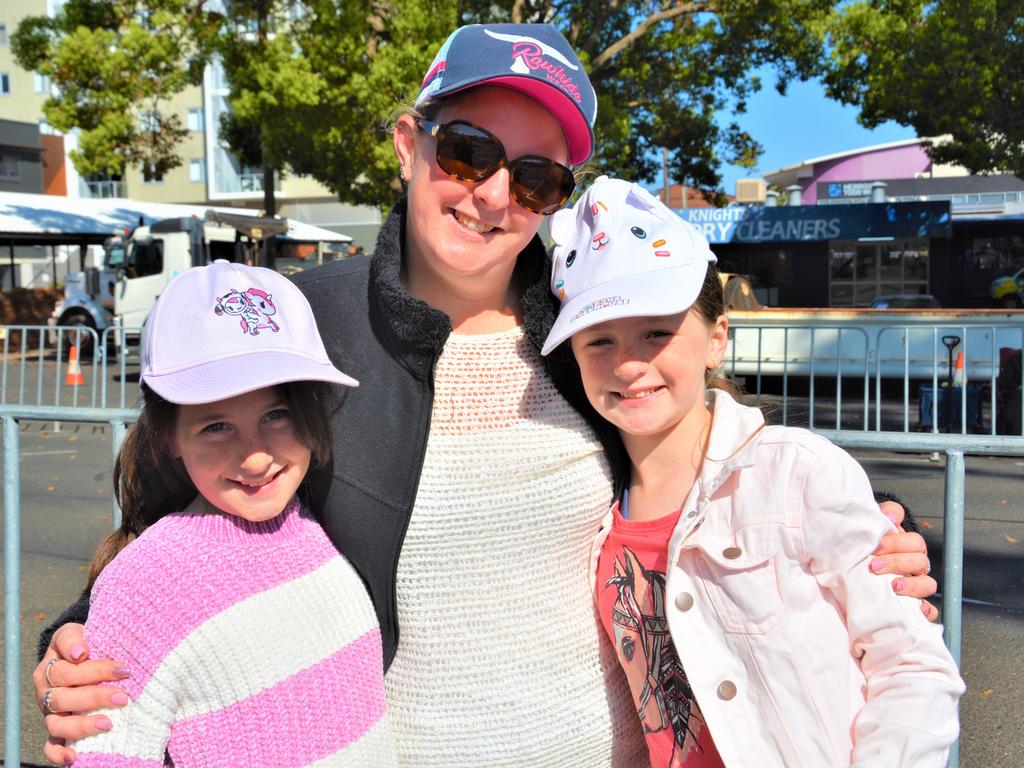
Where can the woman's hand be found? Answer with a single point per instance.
(66, 685)
(906, 553)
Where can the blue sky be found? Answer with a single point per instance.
(801, 125)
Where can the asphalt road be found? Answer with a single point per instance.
(66, 510)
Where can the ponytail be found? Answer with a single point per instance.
(710, 304)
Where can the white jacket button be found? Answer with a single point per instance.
(726, 690)
(684, 601)
(731, 553)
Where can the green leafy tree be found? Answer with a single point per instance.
(270, 81)
(949, 68)
(114, 66)
(312, 84)
(663, 72)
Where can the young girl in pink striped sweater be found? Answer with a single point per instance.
(223, 560)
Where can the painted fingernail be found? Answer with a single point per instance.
(898, 585)
(121, 673)
(892, 516)
(104, 724)
(877, 564)
(77, 651)
(119, 699)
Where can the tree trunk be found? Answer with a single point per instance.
(269, 203)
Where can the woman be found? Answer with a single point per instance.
(493, 651)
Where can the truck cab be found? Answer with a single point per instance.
(155, 255)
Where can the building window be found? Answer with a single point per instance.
(9, 167)
(195, 120)
(250, 179)
(859, 272)
(3, 35)
(42, 83)
(149, 121)
(197, 170)
(5, 84)
(150, 175)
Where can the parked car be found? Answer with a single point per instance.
(906, 301)
(1008, 291)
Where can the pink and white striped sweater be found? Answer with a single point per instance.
(250, 644)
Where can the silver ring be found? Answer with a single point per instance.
(46, 701)
(46, 673)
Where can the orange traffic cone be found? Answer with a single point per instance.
(958, 372)
(74, 377)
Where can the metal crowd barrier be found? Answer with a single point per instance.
(829, 357)
(41, 352)
(11, 415)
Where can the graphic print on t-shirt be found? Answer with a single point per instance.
(645, 650)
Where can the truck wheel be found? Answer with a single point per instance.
(84, 339)
(1010, 302)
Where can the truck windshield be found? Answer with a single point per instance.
(145, 257)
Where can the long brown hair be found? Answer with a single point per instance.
(151, 482)
(710, 304)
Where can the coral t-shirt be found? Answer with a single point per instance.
(631, 601)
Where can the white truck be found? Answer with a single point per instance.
(114, 300)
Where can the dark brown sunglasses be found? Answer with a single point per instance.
(472, 154)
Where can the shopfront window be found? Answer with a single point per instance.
(997, 253)
(861, 271)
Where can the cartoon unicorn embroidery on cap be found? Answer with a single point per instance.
(254, 309)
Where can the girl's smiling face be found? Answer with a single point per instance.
(646, 375)
(242, 453)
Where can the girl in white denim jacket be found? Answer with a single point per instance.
(733, 576)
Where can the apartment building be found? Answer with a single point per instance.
(209, 174)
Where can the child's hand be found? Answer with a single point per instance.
(906, 553)
(65, 682)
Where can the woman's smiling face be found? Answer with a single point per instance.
(460, 232)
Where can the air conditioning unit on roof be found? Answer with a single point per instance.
(751, 191)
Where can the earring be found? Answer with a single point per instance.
(401, 171)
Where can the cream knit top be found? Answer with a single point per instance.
(501, 660)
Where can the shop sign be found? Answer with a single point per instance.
(769, 224)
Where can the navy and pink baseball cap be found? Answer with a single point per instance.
(532, 58)
(226, 329)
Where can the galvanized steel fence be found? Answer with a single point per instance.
(965, 375)
(11, 415)
(37, 363)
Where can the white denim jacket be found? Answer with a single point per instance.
(798, 655)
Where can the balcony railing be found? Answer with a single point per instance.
(104, 188)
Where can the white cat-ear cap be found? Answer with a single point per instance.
(226, 329)
(619, 252)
